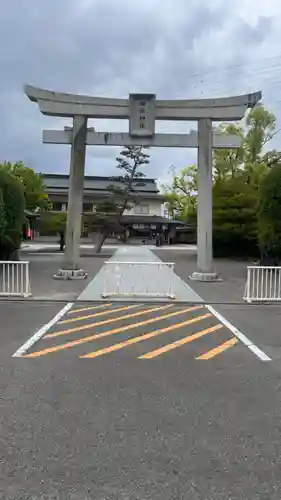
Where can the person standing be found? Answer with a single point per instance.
(62, 241)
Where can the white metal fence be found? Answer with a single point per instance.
(14, 279)
(263, 284)
(139, 279)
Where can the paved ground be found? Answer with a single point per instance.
(148, 331)
(43, 267)
(133, 280)
(233, 274)
(141, 416)
(260, 322)
(118, 426)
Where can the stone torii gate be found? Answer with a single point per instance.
(141, 110)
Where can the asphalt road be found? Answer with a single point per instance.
(119, 402)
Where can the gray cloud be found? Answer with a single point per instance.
(245, 34)
(176, 49)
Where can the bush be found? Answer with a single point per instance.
(235, 219)
(13, 204)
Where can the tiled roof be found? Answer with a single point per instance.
(96, 183)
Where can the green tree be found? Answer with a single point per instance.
(14, 205)
(181, 193)
(269, 213)
(122, 193)
(271, 157)
(234, 218)
(254, 174)
(227, 162)
(51, 224)
(238, 176)
(261, 127)
(33, 185)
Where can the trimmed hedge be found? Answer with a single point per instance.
(235, 230)
(269, 214)
(13, 202)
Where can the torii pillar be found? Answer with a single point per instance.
(71, 268)
(141, 110)
(205, 270)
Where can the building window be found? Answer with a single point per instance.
(57, 206)
(141, 209)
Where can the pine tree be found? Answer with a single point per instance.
(122, 194)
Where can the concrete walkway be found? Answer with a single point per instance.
(33, 246)
(136, 279)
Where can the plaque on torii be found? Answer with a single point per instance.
(142, 115)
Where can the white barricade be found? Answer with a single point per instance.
(139, 279)
(14, 279)
(263, 284)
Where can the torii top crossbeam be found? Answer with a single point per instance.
(69, 105)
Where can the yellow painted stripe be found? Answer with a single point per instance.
(218, 350)
(90, 308)
(146, 336)
(102, 313)
(122, 329)
(179, 343)
(105, 322)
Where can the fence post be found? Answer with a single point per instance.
(26, 281)
(263, 284)
(15, 280)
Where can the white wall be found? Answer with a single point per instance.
(155, 208)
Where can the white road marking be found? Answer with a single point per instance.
(247, 342)
(39, 333)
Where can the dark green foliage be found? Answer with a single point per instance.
(51, 224)
(238, 175)
(13, 203)
(235, 218)
(32, 183)
(3, 219)
(269, 213)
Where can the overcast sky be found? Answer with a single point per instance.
(174, 48)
